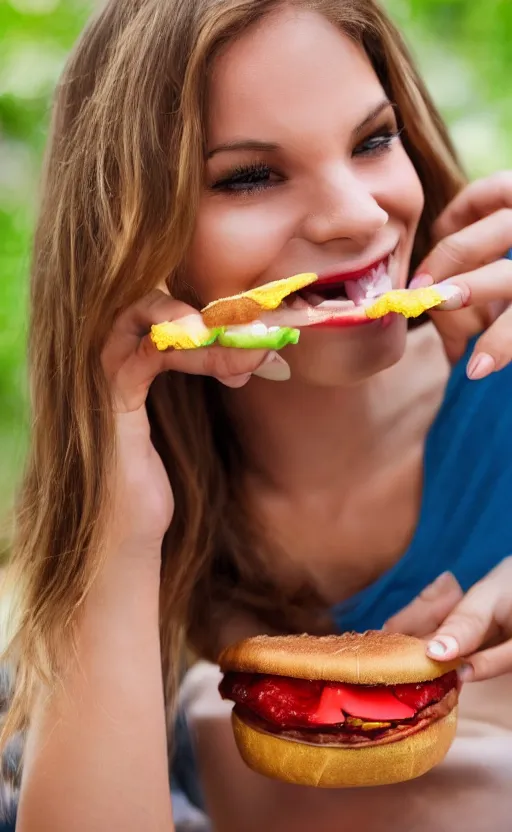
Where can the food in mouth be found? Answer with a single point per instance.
(340, 711)
(248, 306)
(339, 296)
(271, 316)
(235, 321)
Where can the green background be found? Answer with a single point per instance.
(463, 47)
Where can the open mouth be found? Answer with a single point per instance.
(345, 291)
(337, 297)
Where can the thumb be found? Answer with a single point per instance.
(467, 628)
(426, 612)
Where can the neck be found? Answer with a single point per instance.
(298, 437)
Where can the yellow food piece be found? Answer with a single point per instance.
(187, 334)
(272, 294)
(407, 302)
(366, 726)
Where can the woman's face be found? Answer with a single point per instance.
(305, 173)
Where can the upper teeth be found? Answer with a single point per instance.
(374, 283)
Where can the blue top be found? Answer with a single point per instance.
(464, 524)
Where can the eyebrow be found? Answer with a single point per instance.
(255, 144)
(372, 115)
(243, 144)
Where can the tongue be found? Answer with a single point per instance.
(307, 315)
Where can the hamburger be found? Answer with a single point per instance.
(271, 316)
(340, 711)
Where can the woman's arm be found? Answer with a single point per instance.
(96, 755)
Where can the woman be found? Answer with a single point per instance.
(200, 149)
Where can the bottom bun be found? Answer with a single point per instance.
(335, 768)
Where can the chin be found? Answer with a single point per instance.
(348, 356)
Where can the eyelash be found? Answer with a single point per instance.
(249, 179)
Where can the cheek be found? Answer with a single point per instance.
(404, 193)
(235, 243)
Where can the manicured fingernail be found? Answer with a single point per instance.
(480, 366)
(465, 673)
(444, 578)
(421, 281)
(454, 296)
(273, 368)
(442, 646)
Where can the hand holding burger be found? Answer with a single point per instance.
(476, 626)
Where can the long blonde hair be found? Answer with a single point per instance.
(123, 173)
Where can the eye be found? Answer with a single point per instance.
(379, 143)
(247, 179)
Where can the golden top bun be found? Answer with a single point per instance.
(371, 658)
(330, 767)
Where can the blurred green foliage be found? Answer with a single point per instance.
(463, 48)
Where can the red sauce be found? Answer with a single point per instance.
(290, 702)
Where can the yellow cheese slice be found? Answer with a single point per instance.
(366, 726)
(272, 294)
(411, 303)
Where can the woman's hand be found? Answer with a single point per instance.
(473, 235)
(476, 626)
(142, 494)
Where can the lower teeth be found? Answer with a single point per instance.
(334, 303)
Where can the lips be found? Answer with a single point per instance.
(327, 278)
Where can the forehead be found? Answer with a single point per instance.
(293, 68)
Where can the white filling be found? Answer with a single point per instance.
(254, 328)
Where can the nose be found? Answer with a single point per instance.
(345, 209)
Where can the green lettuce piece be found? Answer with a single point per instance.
(212, 338)
(244, 338)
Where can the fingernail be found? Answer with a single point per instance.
(444, 578)
(480, 366)
(454, 296)
(273, 368)
(442, 646)
(421, 281)
(465, 673)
